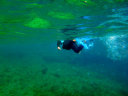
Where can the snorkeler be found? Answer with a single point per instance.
(76, 44)
(69, 44)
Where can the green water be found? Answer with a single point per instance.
(23, 20)
(31, 65)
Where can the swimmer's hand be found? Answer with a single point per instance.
(58, 48)
(74, 40)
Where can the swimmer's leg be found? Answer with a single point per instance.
(76, 48)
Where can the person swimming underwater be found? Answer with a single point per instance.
(69, 44)
(76, 44)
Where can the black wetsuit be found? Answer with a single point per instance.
(70, 44)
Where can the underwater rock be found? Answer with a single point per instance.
(61, 15)
(38, 23)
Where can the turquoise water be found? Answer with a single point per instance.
(31, 65)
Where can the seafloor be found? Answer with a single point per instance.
(30, 74)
